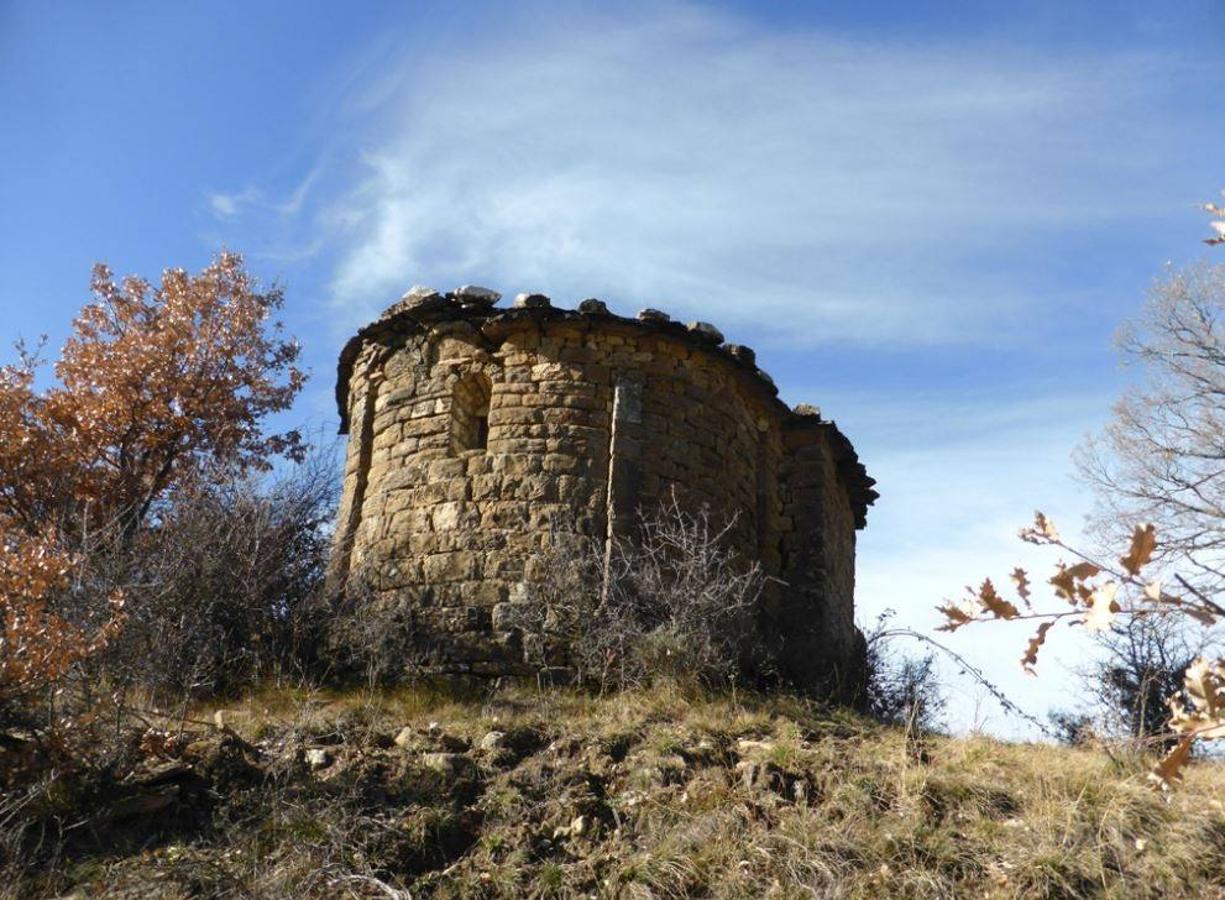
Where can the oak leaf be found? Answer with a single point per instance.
(1102, 607)
(1168, 771)
(1068, 581)
(955, 616)
(1030, 659)
(1043, 530)
(1143, 542)
(1021, 580)
(992, 602)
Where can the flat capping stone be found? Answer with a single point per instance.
(495, 324)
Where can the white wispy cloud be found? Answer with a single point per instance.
(273, 226)
(296, 201)
(688, 159)
(227, 205)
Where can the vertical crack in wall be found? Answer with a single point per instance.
(624, 474)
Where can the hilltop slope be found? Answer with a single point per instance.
(650, 794)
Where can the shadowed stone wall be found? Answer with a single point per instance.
(476, 433)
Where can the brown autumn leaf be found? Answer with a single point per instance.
(1143, 542)
(1068, 581)
(155, 382)
(38, 647)
(1043, 530)
(1166, 773)
(1030, 659)
(1153, 593)
(992, 602)
(1102, 607)
(1203, 682)
(1204, 686)
(1021, 580)
(954, 615)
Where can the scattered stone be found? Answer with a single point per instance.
(750, 772)
(746, 746)
(742, 354)
(654, 316)
(576, 828)
(807, 409)
(420, 299)
(593, 307)
(494, 740)
(452, 765)
(706, 331)
(474, 295)
(532, 301)
(318, 758)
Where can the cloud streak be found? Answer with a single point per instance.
(851, 189)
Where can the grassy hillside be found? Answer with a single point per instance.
(658, 793)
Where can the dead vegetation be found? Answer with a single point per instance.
(666, 792)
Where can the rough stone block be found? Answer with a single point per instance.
(515, 615)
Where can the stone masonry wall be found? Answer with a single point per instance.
(477, 432)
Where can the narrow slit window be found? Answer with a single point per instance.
(470, 414)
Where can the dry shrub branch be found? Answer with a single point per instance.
(675, 600)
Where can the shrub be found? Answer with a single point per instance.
(224, 588)
(898, 688)
(676, 600)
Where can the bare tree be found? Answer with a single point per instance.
(1142, 661)
(1145, 661)
(1161, 459)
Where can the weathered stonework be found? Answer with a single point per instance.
(477, 432)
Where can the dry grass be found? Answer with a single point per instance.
(663, 793)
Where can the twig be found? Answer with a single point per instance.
(974, 671)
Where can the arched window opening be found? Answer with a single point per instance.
(470, 414)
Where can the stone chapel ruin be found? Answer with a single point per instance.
(475, 432)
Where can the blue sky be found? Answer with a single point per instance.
(927, 218)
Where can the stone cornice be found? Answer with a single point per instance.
(422, 309)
